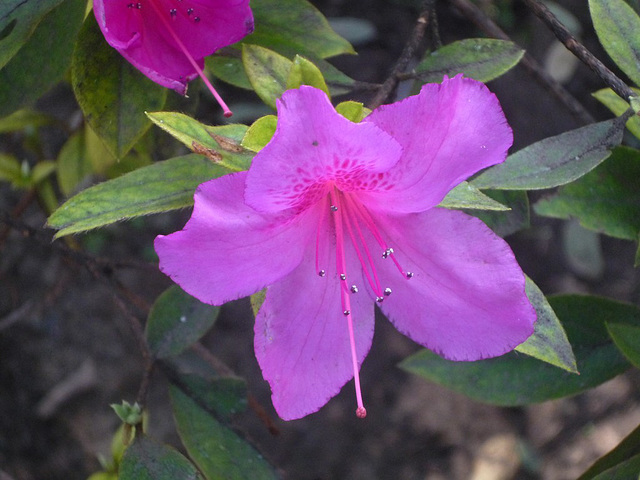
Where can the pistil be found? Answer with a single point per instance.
(187, 54)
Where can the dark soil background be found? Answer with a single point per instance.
(67, 352)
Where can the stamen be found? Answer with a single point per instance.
(345, 299)
(387, 291)
(375, 282)
(194, 64)
(388, 252)
(320, 223)
(354, 289)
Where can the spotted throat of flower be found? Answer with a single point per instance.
(350, 217)
(192, 14)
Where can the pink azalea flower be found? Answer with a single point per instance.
(167, 40)
(334, 217)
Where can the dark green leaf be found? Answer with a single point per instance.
(514, 379)
(160, 187)
(627, 470)
(627, 339)
(626, 449)
(149, 460)
(506, 223)
(176, 321)
(267, 71)
(480, 58)
(296, 26)
(218, 451)
(606, 200)
(43, 60)
(229, 69)
(554, 161)
(618, 106)
(304, 72)
(260, 133)
(617, 26)
(549, 342)
(18, 20)
(223, 396)
(467, 196)
(73, 164)
(220, 144)
(111, 92)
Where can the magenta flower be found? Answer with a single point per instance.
(167, 40)
(335, 216)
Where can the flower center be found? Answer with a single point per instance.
(350, 217)
(190, 13)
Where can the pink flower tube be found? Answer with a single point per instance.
(334, 217)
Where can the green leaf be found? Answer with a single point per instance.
(229, 69)
(554, 161)
(606, 200)
(628, 448)
(627, 339)
(268, 72)
(466, 195)
(260, 133)
(354, 111)
(617, 26)
(43, 60)
(111, 92)
(227, 65)
(618, 106)
(176, 321)
(513, 379)
(149, 460)
(549, 341)
(257, 299)
(18, 20)
(223, 396)
(295, 26)
(73, 164)
(42, 170)
(304, 72)
(480, 58)
(25, 118)
(506, 223)
(220, 144)
(160, 187)
(218, 451)
(10, 169)
(627, 470)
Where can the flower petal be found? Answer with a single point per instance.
(313, 146)
(448, 132)
(466, 300)
(227, 250)
(137, 31)
(302, 339)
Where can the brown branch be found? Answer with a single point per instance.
(405, 57)
(533, 68)
(579, 50)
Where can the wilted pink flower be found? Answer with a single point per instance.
(334, 216)
(167, 40)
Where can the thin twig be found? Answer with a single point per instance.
(579, 50)
(405, 57)
(533, 68)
